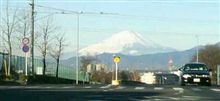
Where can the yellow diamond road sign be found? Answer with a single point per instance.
(116, 59)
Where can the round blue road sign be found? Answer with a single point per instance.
(25, 48)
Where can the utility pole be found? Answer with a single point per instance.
(32, 35)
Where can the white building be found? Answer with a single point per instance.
(101, 67)
(148, 78)
(96, 67)
(90, 68)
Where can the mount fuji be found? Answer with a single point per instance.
(127, 43)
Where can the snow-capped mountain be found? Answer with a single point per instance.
(125, 42)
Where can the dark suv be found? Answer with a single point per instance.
(195, 73)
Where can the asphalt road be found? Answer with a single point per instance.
(109, 93)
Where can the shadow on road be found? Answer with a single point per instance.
(41, 95)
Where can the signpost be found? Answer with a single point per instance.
(116, 61)
(25, 49)
(218, 75)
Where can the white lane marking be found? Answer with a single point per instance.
(108, 86)
(48, 87)
(121, 87)
(178, 89)
(105, 90)
(32, 87)
(68, 87)
(16, 87)
(196, 89)
(139, 88)
(215, 89)
(158, 88)
(193, 98)
(87, 87)
(35, 86)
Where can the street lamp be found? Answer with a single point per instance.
(77, 49)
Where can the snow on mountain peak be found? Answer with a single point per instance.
(125, 42)
(124, 38)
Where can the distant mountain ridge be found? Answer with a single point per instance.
(145, 62)
(152, 61)
(148, 61)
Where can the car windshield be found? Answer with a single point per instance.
(193, 67)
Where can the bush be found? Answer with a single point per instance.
(40, 79)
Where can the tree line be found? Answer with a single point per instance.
(210, 55)
(16, 25)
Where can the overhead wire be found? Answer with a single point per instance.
(64, 11)
(156, 18)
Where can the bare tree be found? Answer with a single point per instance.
(124, 75)
(8, 31)
(102, 77)
(135, 76)
(56, 52)
(210, 55)
(85, 61)
(23, 26)
(44, 44)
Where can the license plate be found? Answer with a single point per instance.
(196, 80)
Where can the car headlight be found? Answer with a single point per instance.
(205, 75)
(186, 76)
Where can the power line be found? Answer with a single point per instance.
(44, 16)
(56, 9)
(64, 11)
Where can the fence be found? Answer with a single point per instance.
(65, 71)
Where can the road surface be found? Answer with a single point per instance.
(109, 93)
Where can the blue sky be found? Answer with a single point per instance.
(172, 23)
